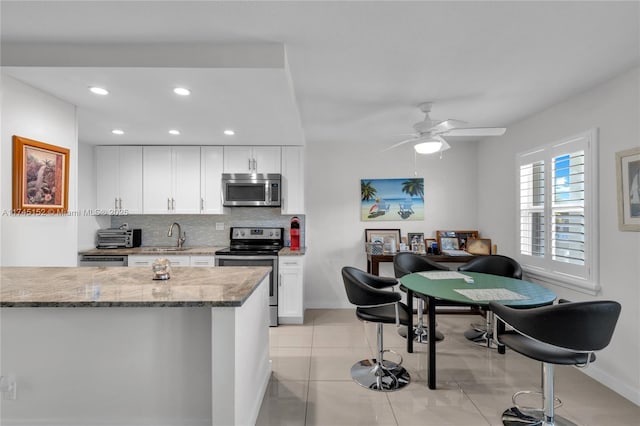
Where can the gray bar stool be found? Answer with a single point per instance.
(382, 307)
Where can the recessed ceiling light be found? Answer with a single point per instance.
(182, 91)
(117, 132)
(174, 132)
(98, 90)
(229, 132)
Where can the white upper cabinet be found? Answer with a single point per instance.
(292, 180)
(211, 166)
(171, 180)
(119, 179)
(252, 159)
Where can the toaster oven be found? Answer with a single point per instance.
(118, 238)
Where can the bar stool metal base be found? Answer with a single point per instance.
(386, 378)
(420, 335)
(515, 417)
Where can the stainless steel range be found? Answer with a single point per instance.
(256, 247)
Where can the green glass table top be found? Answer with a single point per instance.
(535, 294)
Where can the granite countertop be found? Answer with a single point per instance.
(187, 251)
(286, 251)
(227, 286)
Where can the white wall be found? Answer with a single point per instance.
(614, 109)
(43, 240)
(335, 233)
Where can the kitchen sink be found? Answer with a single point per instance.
(166, 249)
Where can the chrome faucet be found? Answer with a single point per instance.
(181, 236)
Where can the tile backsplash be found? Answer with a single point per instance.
(201, 229)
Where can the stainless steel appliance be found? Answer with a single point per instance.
(256, 247)
(118, 238)
(103, 260)
(251, 190)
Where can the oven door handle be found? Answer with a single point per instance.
(235, 257)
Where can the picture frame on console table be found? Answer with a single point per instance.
(479, 246)
(460, 236)
(382, 236)
(40, 177)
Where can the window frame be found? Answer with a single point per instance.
(545, 269)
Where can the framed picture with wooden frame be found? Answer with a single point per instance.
(40, 177)
(382, 236)
(461, 236)
(479, 246)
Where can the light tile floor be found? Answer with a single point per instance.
(311, 382)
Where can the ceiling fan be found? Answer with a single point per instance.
(429, 139)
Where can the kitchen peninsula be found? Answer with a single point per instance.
(112, 346)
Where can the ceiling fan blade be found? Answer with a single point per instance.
(447, 125)
(476, 131)
(400, 143)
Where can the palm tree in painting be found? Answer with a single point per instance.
(414, 187)
(367, 191)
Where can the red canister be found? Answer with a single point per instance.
(294, 233)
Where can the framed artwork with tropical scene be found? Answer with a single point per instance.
(392, 199)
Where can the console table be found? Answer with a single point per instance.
(374, 260)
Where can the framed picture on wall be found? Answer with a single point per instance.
(628, 186)
(40, 177)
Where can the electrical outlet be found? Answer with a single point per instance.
(219, 226)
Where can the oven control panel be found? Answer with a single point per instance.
(256, 233)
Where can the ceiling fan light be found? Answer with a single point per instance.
(430, 147)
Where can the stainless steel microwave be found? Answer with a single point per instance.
(251, 190)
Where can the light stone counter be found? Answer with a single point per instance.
(226, 286)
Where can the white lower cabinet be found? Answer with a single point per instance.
(202, 260)
(291, 289)
(147, 259)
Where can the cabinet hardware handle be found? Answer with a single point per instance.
(173, 204)
(249, 164)
(168, 203)
(120, 202)
(255, 165)
(201, 204)
(279, 280)
(116, 199)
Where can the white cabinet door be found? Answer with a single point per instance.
(290, 290)
(156, 180)
(266, 159)
(185, 195)
(238, 159)
(146, 260)
(252, 159)
(292, 180)
(130, 179)
(118, 179)
(107, 165)
(202, 260)
(211, 166)
(171, 182)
